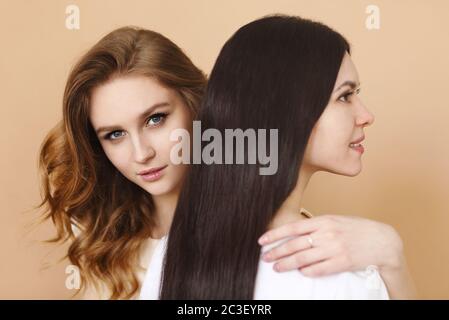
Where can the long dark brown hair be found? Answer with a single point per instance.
(80, 185)
(277, 72)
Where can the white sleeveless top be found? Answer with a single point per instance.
(290, 285)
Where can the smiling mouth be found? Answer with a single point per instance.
(354, 145)
(357, 147)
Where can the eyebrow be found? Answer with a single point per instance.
(143, 115)
(352, 84)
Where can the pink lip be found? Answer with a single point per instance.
(152, 174)
(359, 140)
(360, 149)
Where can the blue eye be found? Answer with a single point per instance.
(114, 135)
(153, 121)
(156, 119)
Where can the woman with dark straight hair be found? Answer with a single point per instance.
(278, 72)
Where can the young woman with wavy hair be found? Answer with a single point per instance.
(108, 184)
(88, 177)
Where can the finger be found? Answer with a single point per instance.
(302, 259)
(290, 247)
(325, 268)
(292, 229)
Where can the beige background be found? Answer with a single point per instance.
(403, 68)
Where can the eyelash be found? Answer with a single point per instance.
(163, 115)
(348, 94)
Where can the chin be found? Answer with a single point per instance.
(158, 190)
(347, 172)
(352, 172)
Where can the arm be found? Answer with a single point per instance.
(399, 281)
(339, 244)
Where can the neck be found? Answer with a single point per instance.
(290, 208)
(165, 206)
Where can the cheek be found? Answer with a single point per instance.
(328, 143)
(119, 156)
(179, 120)
(321, 151)
(161, 143)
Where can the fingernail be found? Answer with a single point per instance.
(277, 268)
(263, 240)
(266, 257)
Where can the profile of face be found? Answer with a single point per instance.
(133, 117)
(335, 142)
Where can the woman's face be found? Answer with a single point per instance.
(330, 147)
(133, 117)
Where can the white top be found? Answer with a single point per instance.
(290, 285)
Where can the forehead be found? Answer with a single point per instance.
(347, 72)
(126, 96)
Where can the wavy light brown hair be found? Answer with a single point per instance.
(81, 186)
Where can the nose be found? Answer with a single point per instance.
(142, 149)
(364, 117)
